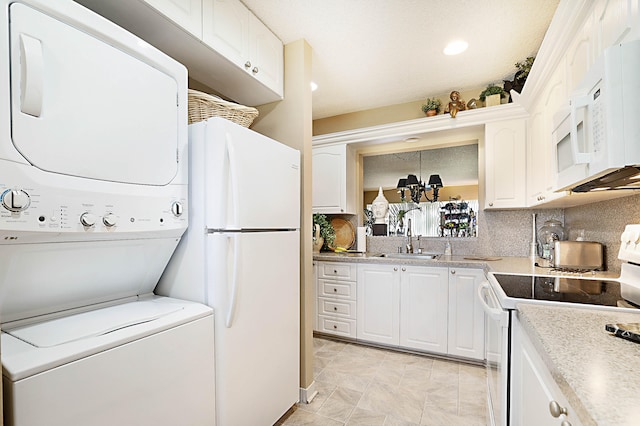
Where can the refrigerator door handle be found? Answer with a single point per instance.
(233, 178)
(231, 306)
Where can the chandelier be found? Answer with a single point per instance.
(417, 187)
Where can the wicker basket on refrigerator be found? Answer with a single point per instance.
(203, 106)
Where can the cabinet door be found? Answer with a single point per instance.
(423, 308)
(533, 387)
(505, 164)
(185, 13)
(333, 180)
(226, 29)
(315, 296)
(266, 55)
(466, 316)
(377, 309)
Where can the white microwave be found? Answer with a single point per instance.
(596, 137)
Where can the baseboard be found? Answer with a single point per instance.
(307, 395)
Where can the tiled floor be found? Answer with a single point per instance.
(360, 385)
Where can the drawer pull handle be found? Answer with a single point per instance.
(556, 409)
(335, 327)
(335, 308)
(335, 290)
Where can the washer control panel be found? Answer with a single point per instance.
(68, 210)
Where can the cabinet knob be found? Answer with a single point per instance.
(335, 271)
(556, 409)
(490, 204)
(335, 327)
(395, 269)
(247, 64)
(453, 272)
(404, 269)
(335, 290)
(255, 70)
(335, 308)
(565, 423)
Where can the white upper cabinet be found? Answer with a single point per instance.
(541, 168)
(226, 29)
(333, 179)
(505, 164)
(222, 44)
(231, 29)
(186, 13)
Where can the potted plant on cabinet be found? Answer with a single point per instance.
(492, 94)
(517, 84)
(323, 232)
(431, 106)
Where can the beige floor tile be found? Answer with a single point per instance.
(306, 418)
(391, 401)
(360, 385)
(361, 417)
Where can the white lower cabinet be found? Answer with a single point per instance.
(336, 298)
(536, 399)
(466, 316)
(423, 308)
(400, 305)
(430, 309)
(378, 307)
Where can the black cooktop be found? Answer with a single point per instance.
(561, 289)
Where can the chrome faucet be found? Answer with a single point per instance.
(409, 237)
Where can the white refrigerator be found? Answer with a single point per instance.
(241, 256)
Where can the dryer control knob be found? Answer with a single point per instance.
(87, 219)
(177, 209)
(109, 220)
(15, 200)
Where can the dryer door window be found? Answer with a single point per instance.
(82, 106)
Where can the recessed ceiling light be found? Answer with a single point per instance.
(455, 47)
(314, 86)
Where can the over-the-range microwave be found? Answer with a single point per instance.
(596, 136)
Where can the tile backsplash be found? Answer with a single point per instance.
(508, 233)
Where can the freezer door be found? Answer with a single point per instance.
(90, 100)
(252, 182)
(254, 288)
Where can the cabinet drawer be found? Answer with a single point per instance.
(336, 289)
(343, 271)
(341, 308)
(340, 327)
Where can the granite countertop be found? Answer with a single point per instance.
(498, 264)
(596, 371)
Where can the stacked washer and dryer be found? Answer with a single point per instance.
(93, 200)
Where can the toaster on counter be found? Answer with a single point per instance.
(578, 255)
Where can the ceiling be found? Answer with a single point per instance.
(374, 53)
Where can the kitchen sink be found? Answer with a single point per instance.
(425, 256)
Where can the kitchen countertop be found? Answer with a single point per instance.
(503, 264)
(596, 371)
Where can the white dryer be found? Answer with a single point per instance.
(93, 193)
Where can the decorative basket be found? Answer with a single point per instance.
(203, 106)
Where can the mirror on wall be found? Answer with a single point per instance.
(454, 212)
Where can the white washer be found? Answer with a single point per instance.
(93, 199)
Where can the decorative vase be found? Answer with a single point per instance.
(492, 100)
(431, 112)
(318, 241)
